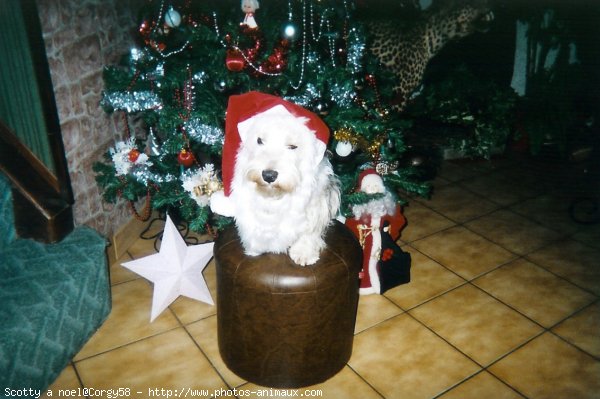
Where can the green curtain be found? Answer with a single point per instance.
(20, 102)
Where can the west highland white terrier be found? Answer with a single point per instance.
(282, 192)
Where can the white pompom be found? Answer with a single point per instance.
(221, 204)
(343, 148)
(172, 18)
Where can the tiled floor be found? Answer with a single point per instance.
(503, 303)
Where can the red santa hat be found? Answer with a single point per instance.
(372, 178)
(242, 108)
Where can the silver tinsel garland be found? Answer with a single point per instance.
(202, 132)
(343, 95)
(355, 50)
(143, 175)
(306, 98)
(152, 143)
(134, 101)
(200, 77)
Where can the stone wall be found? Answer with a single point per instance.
(81, 37)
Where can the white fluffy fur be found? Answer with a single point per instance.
(376, 208)
(291, 213)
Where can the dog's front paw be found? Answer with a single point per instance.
(306, 251)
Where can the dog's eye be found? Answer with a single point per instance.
(292, 146)
(259, 141)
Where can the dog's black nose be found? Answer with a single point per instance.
(269, 175)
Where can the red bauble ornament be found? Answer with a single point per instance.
(234, 60)
(146, 28)
(160, 47)
(185, 158)
(276, 62)
(133, 155)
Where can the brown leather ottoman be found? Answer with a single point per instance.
(282, 325)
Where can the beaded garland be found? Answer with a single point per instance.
(316, 35)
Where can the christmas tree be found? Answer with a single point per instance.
(193, 55)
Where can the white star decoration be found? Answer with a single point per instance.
(175, 270)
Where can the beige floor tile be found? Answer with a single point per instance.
(189, 310)
(464, 252)
(67, 379)
(483, 385)
(534, 292)
(496, 188)
(583, 329)
(477, 324)
(437, 182)
(548, 367)
(422, 221)
(142, 248)
(120, 274)
(589, 235)
(129, 319)
(512, 231)
(155, 227)
(401, 358)
(572, 260)
(428, 279)
(166, 361)
(458, 204)
(345, 384)
(204, 332)
(531, 174)
(372, 310)
(394, 355)
(550, 211)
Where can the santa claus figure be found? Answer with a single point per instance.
(249, 7)
(370, 220)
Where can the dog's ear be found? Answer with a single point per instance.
(321, 148)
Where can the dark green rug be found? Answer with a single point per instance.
(53, 297)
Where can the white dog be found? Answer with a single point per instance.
(283, 191)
